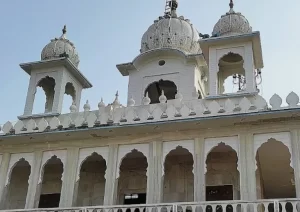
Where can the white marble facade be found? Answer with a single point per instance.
(180, 170)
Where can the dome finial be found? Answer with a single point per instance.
(64, 30)
(231, 5)
(171, 7)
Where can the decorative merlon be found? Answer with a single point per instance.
(116, 114)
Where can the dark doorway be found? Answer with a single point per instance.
(49, 201)
(135, 199)
(217, 193)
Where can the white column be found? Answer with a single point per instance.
(249, 69)
(199, 167)
(296, 159)
(30, 95)
(59, 93)
(243, 167)
(213, 72)
(157, 178)
(150, 176)
(110, 175)
(3, 173)
(250, 178)
(68, 184)
(33, 183)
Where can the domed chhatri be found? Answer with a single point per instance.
(232, 23)
(171, 31)
(60, 47)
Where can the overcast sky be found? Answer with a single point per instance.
(107, 33)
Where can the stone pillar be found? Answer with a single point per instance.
(250, 179)
(296, 159)
(3, 174)
(34, 179)
(199, 171)
(242, 167)
(59, 93)
(157, 172)
(110, 176)
(150, 176)
(213, 72)
(69, 178)
(249, 69)
(30, 96)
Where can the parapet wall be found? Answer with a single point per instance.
(116, 114)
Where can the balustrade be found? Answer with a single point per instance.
(269, 205)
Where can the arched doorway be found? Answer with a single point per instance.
(222, 177)
(178, 179)
(155, 89)
(18, 185)
(92, 181)
(231, 75)
(274, 174)
(132, 181)
(51, 183)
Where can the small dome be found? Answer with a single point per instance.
(173, 32)
(231, 23)
(60, 47)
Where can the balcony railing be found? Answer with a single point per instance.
(270, 205)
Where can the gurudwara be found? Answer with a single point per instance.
(182, 143)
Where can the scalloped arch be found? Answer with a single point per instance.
(211, 143)
(235, 50)
(172, 145)
(282, 137)
(124, 150)
(48, 155)
(85, 153)
(14, 159)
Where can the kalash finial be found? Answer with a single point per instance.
(64, 31)
(231, 5)
(174, 6)
(171, 7)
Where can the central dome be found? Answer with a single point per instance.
(172, 32)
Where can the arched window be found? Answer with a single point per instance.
(231, 75)
(47, 85)
(69, 97)
(155, 89)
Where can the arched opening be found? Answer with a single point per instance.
(178, 178)
(18, 186)
(155, 89)
(51, 183)
(69, 97)
(222, 176)
(132, 182)
(92, 181)
(231, 75)
(274, 175)
(45, 88)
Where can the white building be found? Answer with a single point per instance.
(180, 144)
